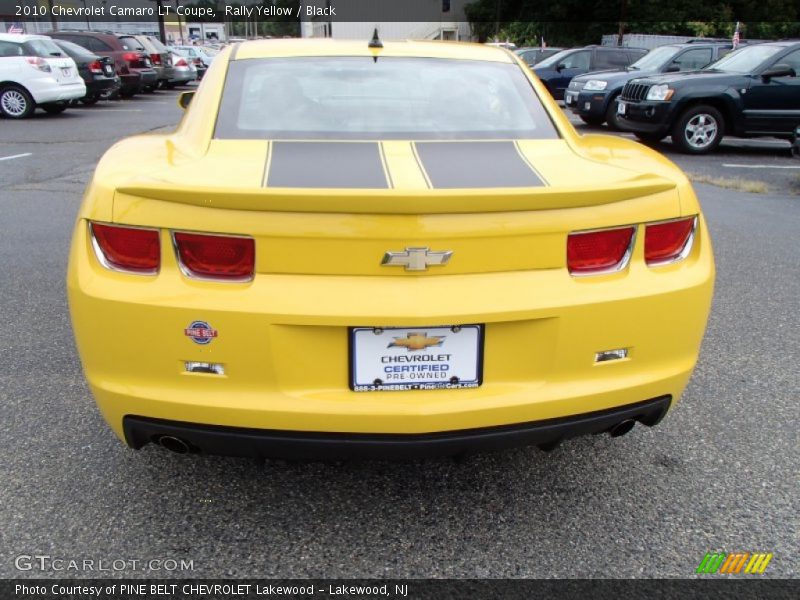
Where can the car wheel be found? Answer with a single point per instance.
(611, 115)
(698, 130)
(54, 108)
(89, 100)
(16, 102)
(149, 89)
(593, 121)
(648, 138)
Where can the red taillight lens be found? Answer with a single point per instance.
(156, 58)
(96, 67)
(181, 63)
(593, 252)
(216, 256)
(665, 242)
(127, 248)
(131, 57)
(38, 63)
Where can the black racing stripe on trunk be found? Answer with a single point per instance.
(476, 165)
(326, 165)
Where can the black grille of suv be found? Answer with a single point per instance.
(634, 92)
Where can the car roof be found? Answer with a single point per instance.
(296, 47)
(21, 37)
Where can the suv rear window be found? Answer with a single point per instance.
(131, 43)
(391, 98)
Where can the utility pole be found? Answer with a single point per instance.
(623, 13)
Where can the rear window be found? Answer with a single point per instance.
(160, 48)
(391, 98)
(74, 50)
(43, 48)
(131, 43)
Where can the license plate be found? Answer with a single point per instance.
(108, 70)
(65, 71)
(569, 99)
(416, 358)
(621, 108)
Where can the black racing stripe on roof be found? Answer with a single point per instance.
(476, 165)
(326, 165)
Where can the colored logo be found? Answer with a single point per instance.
(417, 341)
(416, 259)
(735, 562)
(200, 332)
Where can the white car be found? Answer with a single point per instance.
(35, 72)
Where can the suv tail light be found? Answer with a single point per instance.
(156, 58)
(668, 241)
(96, 67)
(215, 256)
(38, 63)
(131, 57)
(129, 249)
(596, 252)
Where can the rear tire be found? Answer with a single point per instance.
(698, 130)
(89, 100)
(16, 102)
(54, 108)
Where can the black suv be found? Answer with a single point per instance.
(558, 70)
(752, 92)
(593, 97)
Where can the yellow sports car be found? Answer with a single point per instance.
(388, 250)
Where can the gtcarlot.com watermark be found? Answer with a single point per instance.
(48, 563)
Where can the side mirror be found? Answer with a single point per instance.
(779, 70)
(185, 99)
(673, 68)
(560, 67)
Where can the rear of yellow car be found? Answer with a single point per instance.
(389, 252)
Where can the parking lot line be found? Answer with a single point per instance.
(115, 109)
(736, 166)
(13, 156)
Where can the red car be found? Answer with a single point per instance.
(131, 64)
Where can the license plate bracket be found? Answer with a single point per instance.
(415, 358)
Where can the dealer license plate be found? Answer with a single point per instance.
(416, 358)
(621, 108)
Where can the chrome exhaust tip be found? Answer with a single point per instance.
(621, 428)
(174, 444)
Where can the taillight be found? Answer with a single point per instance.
(181, 63)
(38, 63)
(96, 67)
(603, 251)
(198, 61)
(131, 57)
(216, 256)
(668, 241)
(127, 248)
(156, 58)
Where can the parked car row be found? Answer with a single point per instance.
(51, 71)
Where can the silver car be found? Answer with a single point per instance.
(184, 70)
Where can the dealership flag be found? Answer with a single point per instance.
(736, 36)
(15, 28)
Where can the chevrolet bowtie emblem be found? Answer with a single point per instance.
(416, 259)
(417, 340)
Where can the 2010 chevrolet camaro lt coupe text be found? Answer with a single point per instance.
(387, 250)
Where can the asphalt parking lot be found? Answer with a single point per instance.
(721, 473)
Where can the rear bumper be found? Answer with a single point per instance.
(47, 89)
(102, 85)
(266, 443)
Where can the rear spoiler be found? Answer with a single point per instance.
(434, 201)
